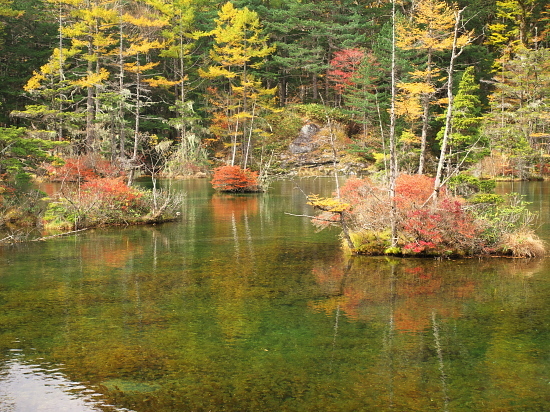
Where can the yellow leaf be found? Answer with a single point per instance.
(329, 204)
(34, 82)
(159, 81)
(92, 79)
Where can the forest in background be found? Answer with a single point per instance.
(186, 84)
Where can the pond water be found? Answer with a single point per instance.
(242, 307)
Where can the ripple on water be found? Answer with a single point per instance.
(27, 387)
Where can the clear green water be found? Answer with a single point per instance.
(240, 307)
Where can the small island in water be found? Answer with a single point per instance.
(465, 218)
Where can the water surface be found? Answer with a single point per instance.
(242, 307)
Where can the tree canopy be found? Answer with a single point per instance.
(111, 77)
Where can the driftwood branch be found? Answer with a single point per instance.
(58, 235)
(11, 239)
(311, 217)
(6, 238)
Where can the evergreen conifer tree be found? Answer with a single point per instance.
(466, 144)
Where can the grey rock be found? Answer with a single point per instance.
(304, 143)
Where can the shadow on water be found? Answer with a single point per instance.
(240, 307)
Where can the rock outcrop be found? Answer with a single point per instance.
(312, 152)
(305, 143)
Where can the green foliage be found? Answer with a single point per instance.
(321, 113)
(21, 154)
(61, 215)
(190, 151)
(26, 39)
(466, 185)
(506, 216)
(306, 35)
(486, 199)
(368, 242)
(467, 144)
(520, 116)
(393, 250)
(362, 151)
(285, 124)
(21, 206)
(514, 23)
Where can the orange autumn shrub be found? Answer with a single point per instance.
(235, 179)
(82, 168)
(96, 202)
(111, 193)
(413, 191)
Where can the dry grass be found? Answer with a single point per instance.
(524, 243)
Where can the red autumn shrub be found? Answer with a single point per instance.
(111, 193)
(235, 179)
(443, 228)
(73, 170)
(424, 225)
(356, 190)
(83, 168)
(412, 191)
(370, 206)
(105, 168)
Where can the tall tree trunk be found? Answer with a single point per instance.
(121, 128)
(249, 140)
(315, 87)
(448, 117)
(137, 113)
(90, 93)
(90, 106)
(393, 153)
(282, 89)
(425, 117)
(61, 73)
(185, 147)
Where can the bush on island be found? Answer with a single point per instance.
(235, 179)
(448, 225)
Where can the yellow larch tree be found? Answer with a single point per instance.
(429, 30)
(239, 48)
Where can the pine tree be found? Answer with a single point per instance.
(466, 144)
(518, 123)
(307, 34)
(68, 83)
(361, 94)
(22, 153)
(25, 39)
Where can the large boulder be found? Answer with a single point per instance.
(304, 143)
